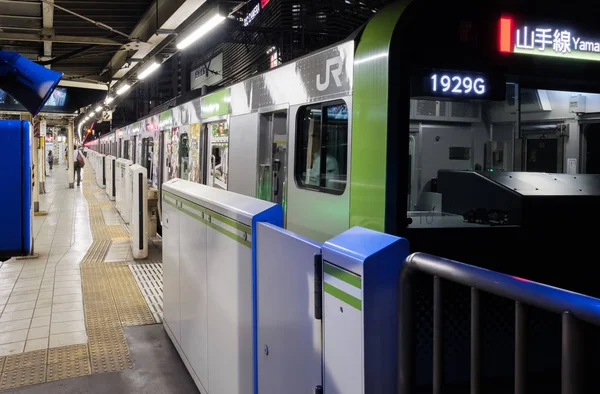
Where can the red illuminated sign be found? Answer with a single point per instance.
(263, 3)
(506, 35)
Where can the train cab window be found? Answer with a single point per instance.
(475, 162)
(322, 131)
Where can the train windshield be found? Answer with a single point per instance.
(469, 158)
(511, 140)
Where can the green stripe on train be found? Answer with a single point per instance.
(216, 104)
(342, 296)
(370, 119)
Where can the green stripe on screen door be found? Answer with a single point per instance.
(342, 275)
(342, 296)
(212, 225)
(219, 217)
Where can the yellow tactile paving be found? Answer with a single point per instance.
(67, 369)
(67, 353)
(131, 305)
(97, 252)
(26, 376)
(111, 300)
(23, 360)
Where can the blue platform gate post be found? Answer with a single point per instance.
(15, 150)
(361, 270)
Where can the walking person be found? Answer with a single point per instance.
(78, 164)
(50, 159)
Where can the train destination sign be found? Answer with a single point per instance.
(546, 40)
(455, 85)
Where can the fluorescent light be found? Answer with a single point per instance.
(123, 89)
(98, 108)
(109, 100)
(91, 114)
(201, 31)
(149, 70)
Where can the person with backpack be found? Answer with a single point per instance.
(78, 164)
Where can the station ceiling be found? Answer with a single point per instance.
(93, 42)
(97, 44)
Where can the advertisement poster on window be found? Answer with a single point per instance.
(155, 150)
(174, 168)
(194, 175)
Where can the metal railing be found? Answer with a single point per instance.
(572, 306)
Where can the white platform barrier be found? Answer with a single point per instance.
(123, 188)
(210, 282)
(109, 171)
(254, 308)
(138, 192)
(98, 164)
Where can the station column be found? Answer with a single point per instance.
(70, 154)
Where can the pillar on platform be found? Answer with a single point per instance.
(70, 159)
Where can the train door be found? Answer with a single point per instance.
(134, 150)
(204, 154)
(543, 149)
(147, 153)
(184, 156)
(272, 158)
(218, 154)
(166, 155)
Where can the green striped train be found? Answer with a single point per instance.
(424, 117)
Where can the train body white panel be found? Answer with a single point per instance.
(243, 162)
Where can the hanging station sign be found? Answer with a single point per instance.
(546, 40)
(208, 74)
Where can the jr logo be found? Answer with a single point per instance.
(333, 67)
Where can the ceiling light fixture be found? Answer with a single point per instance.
(123, 89)
(98, 108)
(201, 31)
(154, 65)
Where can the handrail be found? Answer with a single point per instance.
(572, 306)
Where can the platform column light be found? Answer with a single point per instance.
(149, 69)
(206, 24)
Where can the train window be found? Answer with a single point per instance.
(126, 150)
(322, 131)
(459, 153)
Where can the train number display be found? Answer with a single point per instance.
(457, 85)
